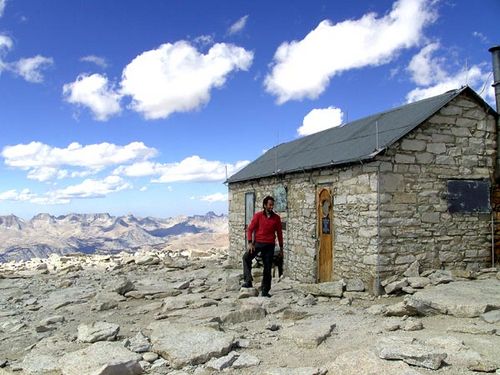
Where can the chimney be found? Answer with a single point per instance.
(495, 54)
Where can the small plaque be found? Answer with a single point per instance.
(280, 199)
(325, 225)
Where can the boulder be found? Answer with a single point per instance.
(120, 285)
(463, 299)
(355, 285)
(411, 352)
(308, 334)
(97, 331)
(40, 363)
(418, 282)
(101, 358)
(413, 270)
(441, 277)
(185, 344)
(245, 314)
(245, 360)
(367, 363)
(395, 286)
(139, 343)
(491, 316)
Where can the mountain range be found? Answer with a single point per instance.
(102, 233)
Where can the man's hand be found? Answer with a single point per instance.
(281, 252)
(251, 248)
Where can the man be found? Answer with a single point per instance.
(261, 234)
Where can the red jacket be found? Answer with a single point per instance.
(265, 228)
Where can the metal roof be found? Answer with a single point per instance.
(356, 141)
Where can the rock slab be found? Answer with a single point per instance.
(101, 358)
(184, 344)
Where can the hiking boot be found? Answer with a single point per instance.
(265, 294)
(247, 284)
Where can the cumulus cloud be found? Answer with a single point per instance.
(99, 61)
(14, 195)
(217, 197)
(178, 78)
(432, 77)
(238, 26)
(44, 162)
(95, 92)
(31, 68)
(47, 173)
(90, 188)
(303, 69)
(320, 119)
(192, 169)
(426, 69)
(87, 189)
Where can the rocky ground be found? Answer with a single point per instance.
(155, 314)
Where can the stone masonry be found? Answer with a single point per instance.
(391, 211)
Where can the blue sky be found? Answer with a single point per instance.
(141, 106)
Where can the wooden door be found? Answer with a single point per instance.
(325, 236)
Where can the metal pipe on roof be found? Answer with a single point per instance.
(495, 54)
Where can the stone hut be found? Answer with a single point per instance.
(367, 199)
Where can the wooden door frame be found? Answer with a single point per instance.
(320, 190)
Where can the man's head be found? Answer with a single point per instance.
(268, 203)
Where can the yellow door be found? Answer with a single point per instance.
(325, 261)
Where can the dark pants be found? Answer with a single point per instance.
(266, 251)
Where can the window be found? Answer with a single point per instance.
(468, 196)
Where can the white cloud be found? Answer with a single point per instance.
(432, 78)
(217, 197)
(178, 78)
(481, 37)
(141, 169)
(238, 26)
(95, 92)
(30, 68)
(5, 43)
(144, 188)
(426, 69)
(204, 40)
(13, 195)
(44, 162)
(320, 119)
(47, 173)
(2, 6)
(304, 68)
(99, 61)
(90, 188)
(192, 168)
(87, 189)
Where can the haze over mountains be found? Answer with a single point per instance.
(102, 233)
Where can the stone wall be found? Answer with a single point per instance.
(456, 143)
(354, 195)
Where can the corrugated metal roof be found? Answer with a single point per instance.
(353, 142)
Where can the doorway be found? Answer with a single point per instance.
(325, 235)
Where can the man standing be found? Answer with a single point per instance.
(261, 234)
